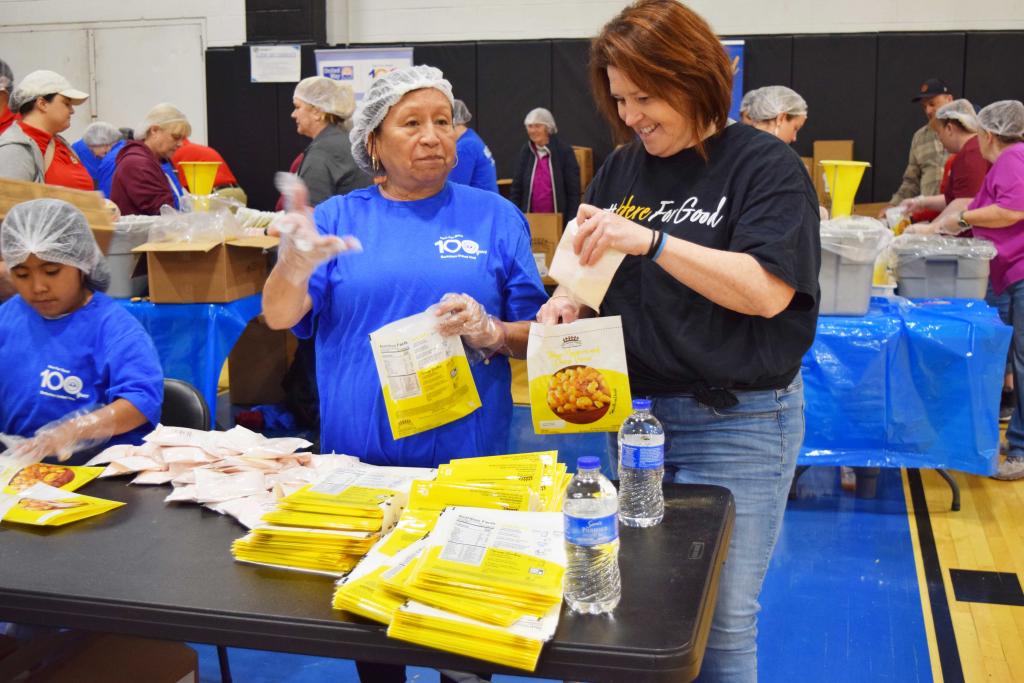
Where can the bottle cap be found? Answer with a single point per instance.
(641, 404)
(588, 462)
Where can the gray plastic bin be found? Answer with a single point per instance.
(849, 246)
(129, 232)
(942, 267)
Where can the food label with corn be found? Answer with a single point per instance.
(578, 378)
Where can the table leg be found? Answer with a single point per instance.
(954, 487)
(225, 667)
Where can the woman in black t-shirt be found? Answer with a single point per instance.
(718, 292)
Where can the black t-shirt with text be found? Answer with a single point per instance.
(752, 196)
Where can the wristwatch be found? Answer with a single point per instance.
(964, 225)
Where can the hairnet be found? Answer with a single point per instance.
(327, 94)
(1005, 118)
(768, 102)
(383, 94)
(6, 76)
(56, 231)
(959, 110)
(101, 133)
(745, 102)
(162, 115)
(460, 113)
(541, 115)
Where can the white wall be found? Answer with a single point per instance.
(367, 21)
(224, 20)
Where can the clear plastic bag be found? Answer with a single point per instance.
(214, 226)
(856, 238)
(907, 247)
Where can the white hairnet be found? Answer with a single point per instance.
(6, 77)
(56, 231)
(541, 115)
(327, 94)
(162, 115)
(460, 113)
(768, 102)
(101, 133)
(383, 94)
(1005, 118)
(959, 110)
(745, 102)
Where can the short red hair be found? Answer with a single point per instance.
(668, 51)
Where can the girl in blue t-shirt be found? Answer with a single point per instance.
(76, 369)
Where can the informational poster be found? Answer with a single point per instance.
(275, 63)
(734, 48)
(360, 66)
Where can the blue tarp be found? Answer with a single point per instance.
(910, 384)
(193, 340)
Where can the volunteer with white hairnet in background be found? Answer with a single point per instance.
(76, 369)
(323, 110)
(424, 241)
(99, 139)
(547, 178)
(997, 213)
(474, 163)
(778, 110)
(141, 183)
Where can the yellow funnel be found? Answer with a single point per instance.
(841, 181)
(199, 175)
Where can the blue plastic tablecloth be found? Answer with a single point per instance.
(910, 384)
(194, 340)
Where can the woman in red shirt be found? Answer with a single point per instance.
(32, 149)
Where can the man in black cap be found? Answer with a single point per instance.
(927, 155)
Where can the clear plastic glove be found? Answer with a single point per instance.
(302, 247)
(921, 229)
(560, 308)
(76, 431)
(462, 315)
(912, 205)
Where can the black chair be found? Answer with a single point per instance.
(184, 406)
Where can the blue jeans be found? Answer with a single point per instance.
(750, 449)
(1015, 432)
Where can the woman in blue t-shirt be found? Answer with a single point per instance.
(718, 292)
(474, 163)
(422, 238)
(76, 369)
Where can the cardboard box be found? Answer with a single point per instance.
(840, 150)
(545, 232)
(91, 204)
(206, 272)
(585, 159)
(520, 382)
(258, 363)
(872, 210)
(80, 657)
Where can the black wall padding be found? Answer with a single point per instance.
(767, 60)
(836, 75)
(512, 79)
(286, 20)
(994, 67)
(579, 120)
(458, 62)
(905, 61)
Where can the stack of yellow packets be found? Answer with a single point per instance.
(328, 526)
(40, 494)
(507, 605)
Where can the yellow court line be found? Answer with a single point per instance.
(922, 583)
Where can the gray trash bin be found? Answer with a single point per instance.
(129, 232)
(934, 266)
(849, 247)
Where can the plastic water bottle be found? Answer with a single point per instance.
(592, 582)
(641, 467)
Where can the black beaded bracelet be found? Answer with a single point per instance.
(655, 249)
(654, 240)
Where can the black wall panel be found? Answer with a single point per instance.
(836, 75)
(286, 20)
(767, 60)
(512, 79)
(905, 61)
(458, 62)
(579, 121)
(994, 67)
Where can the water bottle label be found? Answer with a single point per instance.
(643, 457)
(589, 531)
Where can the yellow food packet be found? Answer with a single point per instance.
(578, 376)
(425, 376)
(64, 477)
(43, 505)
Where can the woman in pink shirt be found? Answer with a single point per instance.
(547, 178)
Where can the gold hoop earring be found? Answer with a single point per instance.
(374, 162)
